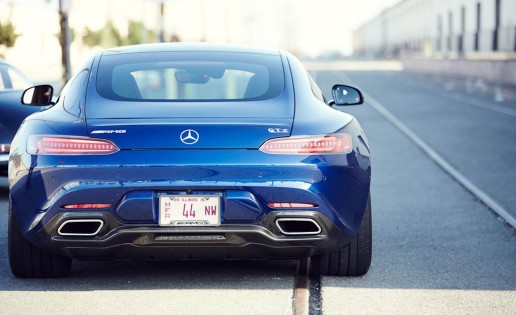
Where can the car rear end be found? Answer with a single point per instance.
(176, 162)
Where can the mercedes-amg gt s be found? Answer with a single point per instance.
(190, 151)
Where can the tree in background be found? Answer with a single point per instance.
(109, 35)
(137, 34)
(7, 34)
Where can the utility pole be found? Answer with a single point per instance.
(64, 39)
(143, 29)
(162, 21)
(203, 21)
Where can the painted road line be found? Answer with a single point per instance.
(439, 160)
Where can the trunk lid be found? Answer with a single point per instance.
(189, 133)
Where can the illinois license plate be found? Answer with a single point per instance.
(189, 210)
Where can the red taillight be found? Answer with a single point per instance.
(45, 145)
(278, 205)
(322, 144)
(88, 206)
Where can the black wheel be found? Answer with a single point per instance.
(26, 261)
(352, 260)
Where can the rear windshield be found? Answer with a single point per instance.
(190, 76)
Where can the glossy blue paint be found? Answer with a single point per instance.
(242, 205)
(225, 161)
(137, 206)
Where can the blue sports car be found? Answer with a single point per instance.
(190, 151)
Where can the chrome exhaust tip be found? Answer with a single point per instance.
(298, 226)
(80, 227)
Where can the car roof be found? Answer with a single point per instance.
(190, 47)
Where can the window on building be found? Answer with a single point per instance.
(450, 29)
(477, 31)
(497, 25)
(439, 32)
(462, 29)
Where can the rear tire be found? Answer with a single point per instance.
(352, 260)
(26, 261)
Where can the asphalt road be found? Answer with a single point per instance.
(436, 248)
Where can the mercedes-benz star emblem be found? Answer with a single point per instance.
(189, 136)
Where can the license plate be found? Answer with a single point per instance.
(189, 210)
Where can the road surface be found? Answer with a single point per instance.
(437, 249)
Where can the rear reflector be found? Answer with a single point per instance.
(4, 148)
(321, 144)
(88, 206)
(52, 145)
(277, 205)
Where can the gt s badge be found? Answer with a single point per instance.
(278, 130)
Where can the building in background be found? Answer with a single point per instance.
(403, 28)
(475, 26)
(441, 28)
(466, 38)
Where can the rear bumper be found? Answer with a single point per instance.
(246, 180)
(228, 241)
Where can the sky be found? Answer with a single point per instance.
(328, 24)
(316, 25)
(304, 27)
